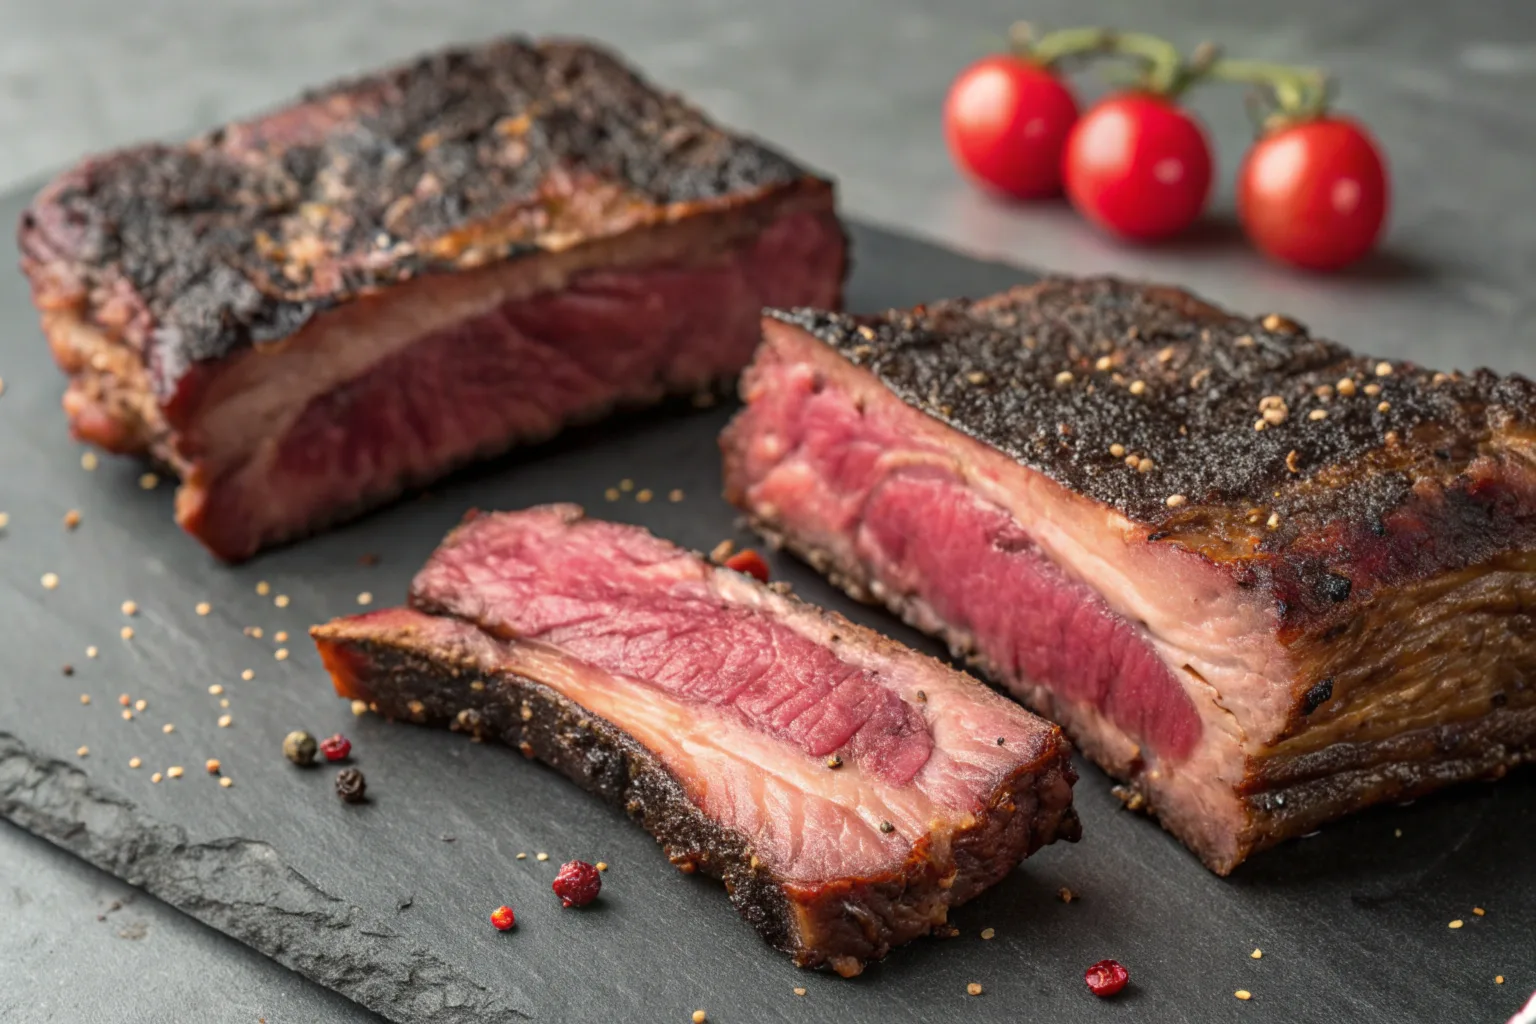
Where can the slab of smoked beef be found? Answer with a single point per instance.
(305, 314)
(1264, 581)
(848, 790)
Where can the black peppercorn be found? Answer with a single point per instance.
(350, 785)
(299, 747)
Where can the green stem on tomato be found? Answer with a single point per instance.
(1164, 69)
(1298, 92)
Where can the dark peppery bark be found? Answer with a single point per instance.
(452, 196)
(528, 693)
(1291, 581)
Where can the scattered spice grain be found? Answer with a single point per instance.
(988, 933)
(1257, 954)
(226, 782)
(522, 856)
(156, 777)
(1064, 378)
(799, 991)
(281, 654)
(1175, 500)
(281, 600)
(1498, 979)
(365, 598)
(71, 519)
(577, 883)
(1372, 389)
(127, 715)
(216, 689)
(1318, 414)
(88, 461)
(612, 494)
(834, 762)
(149, 481)
(1456, 923)
(1067, 895)
(1383, 369)
(626, 485)
(130, 608)
(675, 495)
(50, 580)
(644, 495)
(248, 675)
(298, 746)
(1384, 407)
(203, 608)
(1479, 911)
(83, 752)
(213, 765)
(174, 771)
(699, 1017)
(541, 856)
(168, 728)
(1346, 387)
(126, 632)
(263, 588)
(602, 865)
(973, 989)
(1243, 994)
(85, 698)
(351, 786)
(1117, 450)
(134, 762)
(141, 705)
(359, 707)
(1145, 465)
(1138, 387)
(281, 636)
(254, 632)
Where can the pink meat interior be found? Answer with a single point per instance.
(518, 373)
(629, 604)
(858, 479)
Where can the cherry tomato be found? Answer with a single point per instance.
(1138, 166)
(1006, 121)
(1314, 194)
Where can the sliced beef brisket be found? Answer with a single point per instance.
(1265, 581)
(848, 790)
(306, 313)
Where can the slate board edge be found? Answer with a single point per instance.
(241, 887)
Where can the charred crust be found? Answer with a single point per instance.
(1334, 587)
(462, 157)
(842, 925)
(1317, 695)
(1287, 472)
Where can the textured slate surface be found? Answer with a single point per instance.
(387, 902)
(73, 934)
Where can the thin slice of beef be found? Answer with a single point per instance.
(848, 790)
(1263, 580)
(304, 314)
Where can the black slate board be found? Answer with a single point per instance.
(387, 903)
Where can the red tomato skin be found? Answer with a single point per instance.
(1006, 121)
(1138, 166)
(1314, 194)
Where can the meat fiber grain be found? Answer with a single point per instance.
(848, 790)
(304, 314)
(1265, 581)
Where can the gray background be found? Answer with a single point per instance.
(853, 87)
